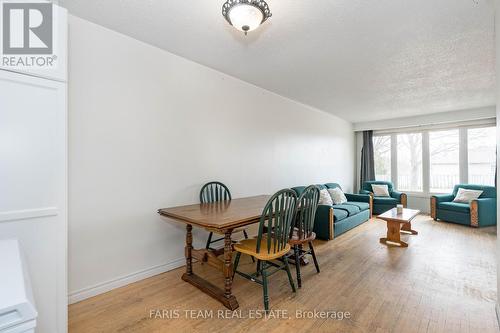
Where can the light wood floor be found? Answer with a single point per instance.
(445, 281)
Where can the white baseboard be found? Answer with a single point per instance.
(100, 288)
(497, 308)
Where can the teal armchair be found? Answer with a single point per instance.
(478, 213)
(383, 204)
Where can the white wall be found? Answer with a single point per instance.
(148, 128)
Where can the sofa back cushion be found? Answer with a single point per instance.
(367, 186)
(325, 198)
(332, 185)
(488, 191)
(338, 197)
(380, 190)
(467, 195)
(299, 190)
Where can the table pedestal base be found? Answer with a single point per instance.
(389, 242)
(394, 229)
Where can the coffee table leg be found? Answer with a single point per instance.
(406, 227)
(393, 235)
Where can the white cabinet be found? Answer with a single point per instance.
(17, 306)
(33, 191)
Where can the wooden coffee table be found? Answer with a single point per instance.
(397, 223)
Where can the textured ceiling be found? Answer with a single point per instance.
(361, 60)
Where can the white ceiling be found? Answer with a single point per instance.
(359, 59)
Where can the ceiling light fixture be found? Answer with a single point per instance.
(246, 15)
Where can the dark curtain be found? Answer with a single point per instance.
(367, 159)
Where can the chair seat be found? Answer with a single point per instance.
(361, 205)
(455, 206)
(385, 201)
(339, 215)
(295, 239)
(249, 246)
(350, 209)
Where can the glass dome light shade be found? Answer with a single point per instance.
(245, 17)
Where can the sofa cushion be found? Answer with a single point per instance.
(332, 185)
(351, 222)
(466, 195)
(385, 201)
(361, 205)
(488, 191)
(350, 209)
(453, 216)
(325, 198)
(339, 215)
(338, 197)
(380, 190)
(367, 186)
(455, 206)
(299, 190)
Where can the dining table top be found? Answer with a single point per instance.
(221, 215)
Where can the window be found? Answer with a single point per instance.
(444, 160)
(409, 147)
(382, 156)
(434, 160)
(482, 155)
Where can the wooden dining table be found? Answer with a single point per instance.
(222, 217)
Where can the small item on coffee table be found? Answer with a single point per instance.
(399, 209)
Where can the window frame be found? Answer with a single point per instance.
(462, 147)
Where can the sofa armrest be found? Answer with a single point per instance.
(436, 199)
(368, 198)
(323, 222)
(401, 197)
(364, 192)
(358, 197)
(443, 197)
(483, 212)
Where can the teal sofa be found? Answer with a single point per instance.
(383, 204)
(331, 221)
(478, 213)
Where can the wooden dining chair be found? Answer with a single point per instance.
(302, 233)
(213, 192)
(271, 243)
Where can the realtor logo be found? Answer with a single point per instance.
(27, 28)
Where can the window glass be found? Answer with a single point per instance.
(409, 147)
(382, 156)
(482, 155)
(444, 160)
